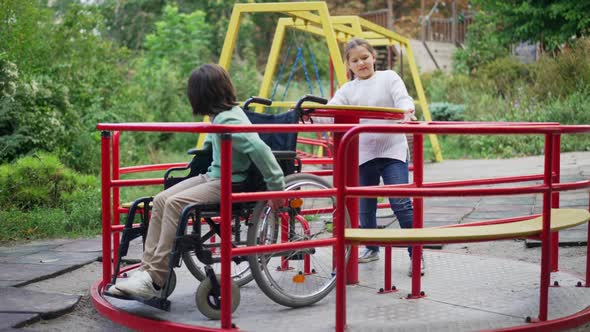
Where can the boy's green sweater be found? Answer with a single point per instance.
(247, 148)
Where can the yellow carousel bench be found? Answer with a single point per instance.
(560, 219)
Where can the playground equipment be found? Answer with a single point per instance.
(308, 273)
(263, 243)
(313, 17)
(544, 226)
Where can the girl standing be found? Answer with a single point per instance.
(381, 156)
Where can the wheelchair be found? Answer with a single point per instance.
(292, 278)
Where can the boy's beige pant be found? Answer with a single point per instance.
(166, 210)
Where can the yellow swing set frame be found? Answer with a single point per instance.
(313, 17)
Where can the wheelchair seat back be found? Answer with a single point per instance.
(278, 142)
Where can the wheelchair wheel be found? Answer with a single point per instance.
(241, 273)
(302, 277)
(208, 304)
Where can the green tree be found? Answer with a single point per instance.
(24, 26)
(180, 39)
(129, 21)
(482, 45)
(551, 23)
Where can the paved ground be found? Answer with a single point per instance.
(42, 280)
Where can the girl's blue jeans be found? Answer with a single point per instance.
(392, 171)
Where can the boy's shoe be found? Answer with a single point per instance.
(140, 284)
(112, 290)
(368, 255)
(422, 268)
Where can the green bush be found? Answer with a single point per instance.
(40, 181)
(440, 87)
(504, 76)
(447, 112)
(557, 77)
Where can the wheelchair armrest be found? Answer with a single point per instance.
(174, 169)
(282, 155)
(197, 152)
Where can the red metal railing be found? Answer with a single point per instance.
(345, 191)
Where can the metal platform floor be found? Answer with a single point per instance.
(463, 293)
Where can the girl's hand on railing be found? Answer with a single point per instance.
(409, 115)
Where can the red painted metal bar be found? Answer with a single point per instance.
(558, 324)
(339, 172)
(588, 251)
(546, 233)
(484, 181)
(116, 192)
(351, 179)
(265, 195)
(387, 277)
(149, 168)
(555, 201)
(226, 249)
(441, 192)
(260, 249)
(136, 182)
(418, 127)
(105, 155)
(327, 161)
(571, 186)
(418, 213)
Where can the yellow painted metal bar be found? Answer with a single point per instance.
(334, 29)
(309, 28)
(332, 42)
(422, 101)
(383, 31)
(279, 7)
(271, 64)
(230, 39)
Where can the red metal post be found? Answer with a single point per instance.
(105, 144)
(546, 232)
(555, 202)
(387, 277)
(116, 190)
(341, 277)
(225, 205)
(351, 179)
(588, 250)
(418, 213)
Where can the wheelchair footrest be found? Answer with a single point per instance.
(156, 302)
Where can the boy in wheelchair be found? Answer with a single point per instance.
(210, 92)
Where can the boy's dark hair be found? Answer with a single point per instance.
(210, 90)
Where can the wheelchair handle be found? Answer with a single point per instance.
(256, 100)
(316, 99)
(302, 112)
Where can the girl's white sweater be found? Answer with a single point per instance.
(384, 89)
